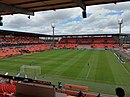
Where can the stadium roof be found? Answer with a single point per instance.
(17, 33)
(30, 6)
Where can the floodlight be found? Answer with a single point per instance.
(120, 21)
(53, 25)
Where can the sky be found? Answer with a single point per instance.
(101, 19)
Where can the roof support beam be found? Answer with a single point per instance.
(80, 3)
(13, 9)
(36, 1)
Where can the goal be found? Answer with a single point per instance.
(30, 71)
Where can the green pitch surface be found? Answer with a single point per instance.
(100, 70)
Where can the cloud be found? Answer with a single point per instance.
(118, 6)
(101, 19)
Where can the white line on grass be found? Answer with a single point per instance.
(125, 69)
(123, 65)
(88, 72)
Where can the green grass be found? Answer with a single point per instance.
(104, 73)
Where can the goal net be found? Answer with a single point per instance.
(30, 71)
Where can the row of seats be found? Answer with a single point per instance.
(105, 45)
(7, 90)
(88, 40)
(20, 40)
(73, 90)
(7, 52)
(75, 93)
(68, 46)
(34, 48)
(76, 87)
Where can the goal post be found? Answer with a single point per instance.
(30, 71)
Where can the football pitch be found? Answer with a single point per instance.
(100, 70)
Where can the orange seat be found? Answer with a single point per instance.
(76, 87)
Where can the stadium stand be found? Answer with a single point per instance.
(20, 43)
(12, 51)
(11, 86)
(91, 42)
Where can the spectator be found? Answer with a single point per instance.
(120, 92)
(98, 95)
(80, 94)
(59, 85)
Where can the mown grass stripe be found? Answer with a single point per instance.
(85, 66)
(104, 73)
(93, 63)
